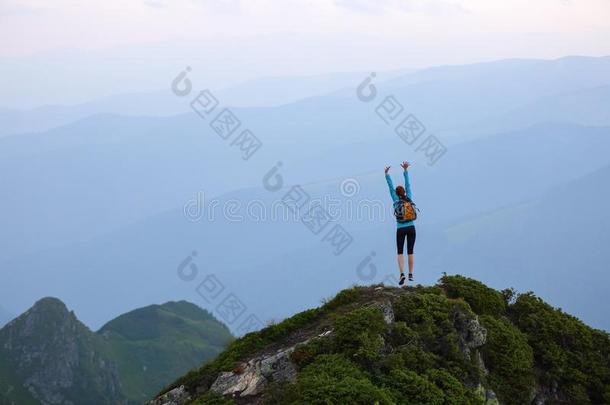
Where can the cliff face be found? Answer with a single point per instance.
(47, 356)
(57, 359)
(459, 342)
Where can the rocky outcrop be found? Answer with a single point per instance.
(252, 377)
(472, 334)
(387, 311)
(177, 396)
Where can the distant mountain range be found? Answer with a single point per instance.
(458, 101)
(101, 200)
(257, 93)
(475, 179)
(47, 356)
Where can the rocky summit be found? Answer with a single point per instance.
(458, 342)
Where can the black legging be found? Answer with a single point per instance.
(402, 233)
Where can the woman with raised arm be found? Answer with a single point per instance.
(405, 228)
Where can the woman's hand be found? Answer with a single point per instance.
(387, 169)
(405, 165)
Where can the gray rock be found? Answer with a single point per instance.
(472, 333)
(388, 312)
(324, 334)
(248, 382)
(279, 367)
(254, 375)
(177, 396)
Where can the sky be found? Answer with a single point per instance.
(70, 50)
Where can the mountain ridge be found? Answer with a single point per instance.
(49, 356)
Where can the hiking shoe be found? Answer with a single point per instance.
(402, 279)
(410, 276)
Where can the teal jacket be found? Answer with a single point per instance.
(396, 198)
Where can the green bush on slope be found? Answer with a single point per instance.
(482, 299)
(358, 335)
(509, 360)
(567, 353)
(431, 316)
(332, 379)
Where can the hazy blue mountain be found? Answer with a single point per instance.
(556, 244)
(161, 103)
(545, 75)
(456, 100)
(585, 107)
(275, 91)
(48, 356)
(99, 202)
(263, 92)
(103, 172)
(95, 175)
(61, 179)
(252, 257)
(450, 99)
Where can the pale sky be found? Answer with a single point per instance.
(29, 26)
(233, 40)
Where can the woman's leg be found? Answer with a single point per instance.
(400, 243)
(410, 244)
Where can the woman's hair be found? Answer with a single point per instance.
(400, 190)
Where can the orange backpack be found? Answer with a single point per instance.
(405, 210)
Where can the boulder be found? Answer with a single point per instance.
(177, 396)
(254, 375)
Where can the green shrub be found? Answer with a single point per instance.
(482, 299)
(509, 359)
(345, 297)
(455, 392)
(305, 354)
(568, 353)
(211, 398)
(279, 392)
(349, 328)
(332, 379)
(417, 359)
(431, 317)
(400, 334)
(407, 387)
(357, 334)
